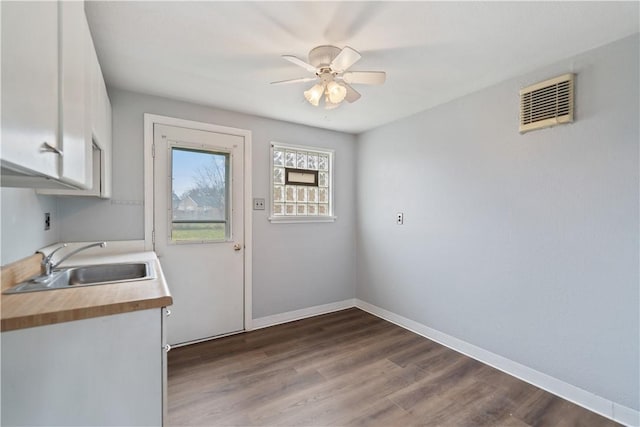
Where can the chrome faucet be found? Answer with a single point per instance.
(48, 265)
(46, 261)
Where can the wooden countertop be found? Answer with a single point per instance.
(63, 305)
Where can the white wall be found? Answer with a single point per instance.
(22, 223)
(294, 265)
(524, 245)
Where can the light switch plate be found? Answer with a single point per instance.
(399, 218)
(258, 204)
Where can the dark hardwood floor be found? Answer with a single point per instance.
(350, 368)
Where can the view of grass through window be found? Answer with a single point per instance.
(199, 195)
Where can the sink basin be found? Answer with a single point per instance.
(87, 275)
(107, 273)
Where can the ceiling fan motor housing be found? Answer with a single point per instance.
(326, 75)
(322, 56)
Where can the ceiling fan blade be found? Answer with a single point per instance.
(352, 94)
(300, 80)
(299, 62)
(345, 59)
(364, 77)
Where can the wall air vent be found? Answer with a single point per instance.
(547, 103)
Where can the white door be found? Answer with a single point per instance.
(198, 230)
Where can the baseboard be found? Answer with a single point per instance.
(590, 401)
(290, 316)
(626, 416)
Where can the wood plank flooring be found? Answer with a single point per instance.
(350, 368)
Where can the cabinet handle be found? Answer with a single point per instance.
(50, 148)
(167, 347)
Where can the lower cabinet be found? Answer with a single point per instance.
(103, 371)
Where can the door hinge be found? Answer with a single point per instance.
(153, 237)
(153, 150)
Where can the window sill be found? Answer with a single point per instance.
(293, 219)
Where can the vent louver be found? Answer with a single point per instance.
(547, 103)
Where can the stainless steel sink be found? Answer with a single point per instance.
(107, 273)
(87, 275)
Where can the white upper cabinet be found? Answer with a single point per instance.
(100, 104)
(30, 89)
(56, 121)
(76, 144)
(99, 121)
(97, 125)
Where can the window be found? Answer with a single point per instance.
(199, 196)
(301, 184)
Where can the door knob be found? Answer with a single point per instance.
(237, 247)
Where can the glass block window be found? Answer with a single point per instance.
(301, 183)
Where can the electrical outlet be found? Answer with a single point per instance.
(399, 218)
(47, 221)
(258, 204)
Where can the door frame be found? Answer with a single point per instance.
(149, 121)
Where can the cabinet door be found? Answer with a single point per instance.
(30, 87)
(165, 349)
(97, 125)
(101, 121)
(107, 149)
(104, 371)
(77, 161)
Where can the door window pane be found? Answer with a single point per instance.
(200, 195)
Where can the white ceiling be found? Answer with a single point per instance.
(225, 54)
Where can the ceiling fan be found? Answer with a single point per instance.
(330, 65)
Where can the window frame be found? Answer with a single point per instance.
(283, 219)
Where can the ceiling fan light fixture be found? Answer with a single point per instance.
(328, 105)
(336, 92)
(314, 94)
(330, 65)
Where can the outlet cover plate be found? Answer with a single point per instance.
(258, 204)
